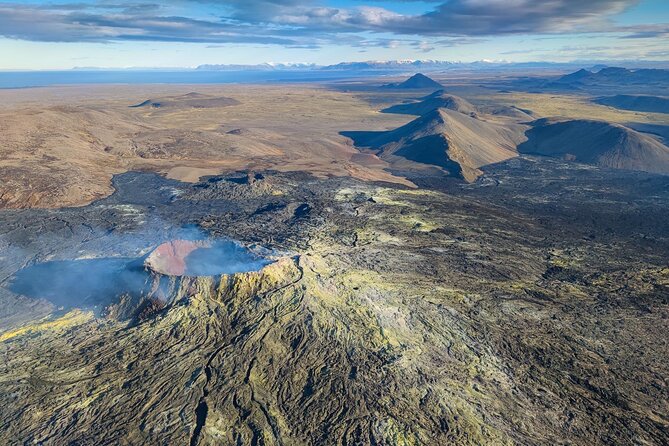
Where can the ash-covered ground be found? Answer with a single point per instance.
(530, 307)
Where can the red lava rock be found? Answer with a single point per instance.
(170, 257)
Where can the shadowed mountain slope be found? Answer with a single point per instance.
(457, 143)
(597, 142)
(643, 103)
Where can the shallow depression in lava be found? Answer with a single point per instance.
(203, 258)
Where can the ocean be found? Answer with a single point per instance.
(26, 79)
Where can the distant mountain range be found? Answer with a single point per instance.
(435, 65)
(615, 75)
(394, 65)
(391, 65)
(343, 66)
(259, 67)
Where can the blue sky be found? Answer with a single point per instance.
(37, 34)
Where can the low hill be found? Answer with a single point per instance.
(596, 142)
(509, 112)
(189, 100)
(441, 99)
(415, 82)
(642, 103)
(455, 142)
(438, 99)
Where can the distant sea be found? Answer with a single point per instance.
(25, 79)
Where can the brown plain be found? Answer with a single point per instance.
(61, 145)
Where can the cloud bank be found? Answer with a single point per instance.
(308, 23)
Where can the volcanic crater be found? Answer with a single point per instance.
(203, 258)
(135, 288)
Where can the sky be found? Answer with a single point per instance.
(42, 35)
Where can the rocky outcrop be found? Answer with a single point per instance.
(189, 100)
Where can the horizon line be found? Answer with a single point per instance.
(310, 65)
